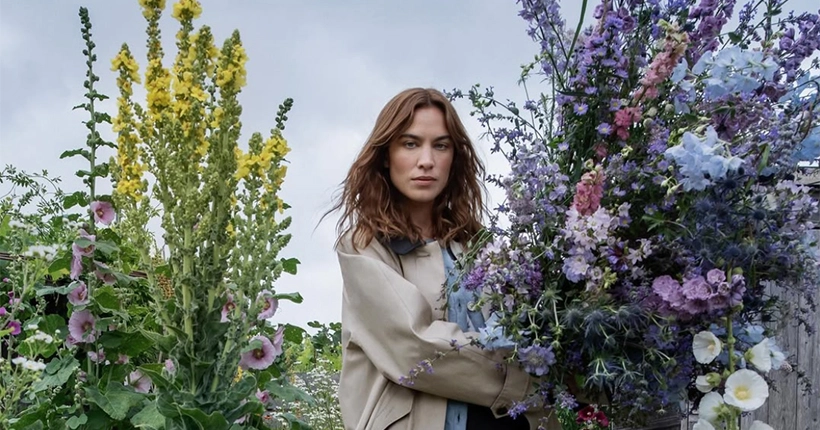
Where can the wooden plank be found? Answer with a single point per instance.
(782, 403)
(808, 357)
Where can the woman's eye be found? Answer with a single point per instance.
(442, 146)
(409, 144)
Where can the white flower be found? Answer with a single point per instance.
(778, 357)
(760, 425)
(19, 360)
(706, 347)
(703, 425)
(761, 356)
(702, 384)
(746, 390)
(35, 366)
(710, 407)
(31, 327)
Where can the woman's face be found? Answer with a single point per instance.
(419, 160)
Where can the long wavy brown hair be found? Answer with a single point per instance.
(373, 208)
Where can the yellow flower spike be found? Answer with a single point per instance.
(238, 376)
(186, 9)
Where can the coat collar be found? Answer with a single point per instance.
(402, 245)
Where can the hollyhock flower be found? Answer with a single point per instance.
(15, 327)
(82, 326)
(84, 251)
(103, 212)
(746, 390)
(122, 359)
(76, 267)
(227, 308)
(706, 347)
(536, 359)
(103, 273)
(140, 382)
(710, 406)
(3, 311)
(97, 356)
(260, 358)
(278, 340)
(269, 305)
(602, 419)
(79, 295)
(70, 341)
(760, 356)
(702, 384)
(263, 396)
(169, 368)
(585, 414)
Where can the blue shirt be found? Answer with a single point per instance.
(458, 312)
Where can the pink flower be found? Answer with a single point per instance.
(141, 383)
(170, 368)
(278, 340)
(260, 358)
(6, 280)
(15, 327)
(97, 357)
(76, 267)
(715, 276)
(79, 295)
(103, 212)
(263, 396)
(227, 308)
(3, 311)
(85, 251)
(82, 326)
(70, 341)
(589, 191)
(104, 274)
(122, 359)
(269, 305)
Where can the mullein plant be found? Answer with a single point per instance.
(222, 221)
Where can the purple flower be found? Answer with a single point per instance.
(122, 359)
(76, 266)
(263, 396)
(697, 289)
(604, 129)
(3, 311)
(227, 308)
(141, 383)
(97, 356)
(82, 326)
(170, 367)
(269, 305)
(84, 251)
(103, 212)
(536, 359)
(103, 273)
(262, 357)
(79, 295)
(581, 108)
(14, 326)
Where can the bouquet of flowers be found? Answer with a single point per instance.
(653, 204)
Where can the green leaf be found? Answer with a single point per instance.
(149, 417)
(116, 401)
(82, 173)
(289, 265)
(165, 343)
(57, 372)
(106, 247)
(107, 298)
(76, 421)
(73, 152)
(74, 199)
(293, 333)
(280, 389)
(294, 297)
(168, 407)
(296, 423)
(58, 268)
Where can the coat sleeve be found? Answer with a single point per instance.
(392, 322)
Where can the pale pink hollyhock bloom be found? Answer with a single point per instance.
(227, 308)
(82, 326)
(3, 311)
(278, 340)
(103, 212)
(15, 327)
(85, 251)
(76, 267)
(269, 306)
(260, 358)
(70, 341)
(122, 359)
(105, 274)
(141, 383)
(170, 367)
(97, 357)
(263, 396)
(79, 295)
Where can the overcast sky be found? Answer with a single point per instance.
(340, 61)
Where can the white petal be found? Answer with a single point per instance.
(709, 407)
(702, 384)
(760, 356)
(706, 347)
(746, 390)
(760, 425)
(703, 425)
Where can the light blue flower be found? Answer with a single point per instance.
(492, 335)
(734, 70)
(698, 157)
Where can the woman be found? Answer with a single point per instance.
(412, 195)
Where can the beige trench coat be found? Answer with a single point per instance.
(393, 318)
